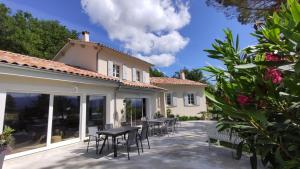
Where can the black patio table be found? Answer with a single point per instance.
(115, 132)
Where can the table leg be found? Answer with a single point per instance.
(115, 146)
(100, 152)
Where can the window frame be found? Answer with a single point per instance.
(138, 75)
(30, 94)
(169, 99)
(191, 99)
(116, 70)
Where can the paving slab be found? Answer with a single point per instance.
(186, 149)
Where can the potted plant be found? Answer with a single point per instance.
(5, 140)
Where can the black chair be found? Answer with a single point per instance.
(107, 127)
(144, 135)
(132, 139)
(93, 136)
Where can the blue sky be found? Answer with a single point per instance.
(205, 25)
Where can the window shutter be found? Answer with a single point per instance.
(133, 74)
(110, 68)
(125, 72)
(198, 98)
(174, 99)
(145, 77)
(185, 99)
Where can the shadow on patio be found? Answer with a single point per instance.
(187, 149)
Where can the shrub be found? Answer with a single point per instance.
(188, 118)
(259, 90)
(169, 113)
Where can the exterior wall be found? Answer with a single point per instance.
(92, 58)
(181, 109)
(21, 84)
(80, 56)
(17, 84)
(151, 103)
(106, 55)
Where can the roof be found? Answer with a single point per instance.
(140, 85)
(174, 81)
(43, 64)
(100, 45)
(53, 66)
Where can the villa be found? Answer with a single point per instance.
(51, 103)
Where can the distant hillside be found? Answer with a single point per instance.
(22, 33)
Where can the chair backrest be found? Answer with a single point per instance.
(145, 123)
(144, 133)
(131, 139)
(175, 121)
(170, 123)
(92, 130)
(108, 126)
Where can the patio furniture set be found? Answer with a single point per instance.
(129, 136)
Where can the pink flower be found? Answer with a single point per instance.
(243, 100)
(272, 57)
(273, 74)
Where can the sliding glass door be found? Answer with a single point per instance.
(96, 112)
(135, 110)
(27, 114)
(66, 115)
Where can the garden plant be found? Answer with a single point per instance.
(258, 91)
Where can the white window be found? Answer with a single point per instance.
(116, 70)
(169, 99)
(191, 98)
(138, 76)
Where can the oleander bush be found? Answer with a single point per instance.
(258, 90)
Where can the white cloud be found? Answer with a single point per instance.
(163, 60)
(147, 27)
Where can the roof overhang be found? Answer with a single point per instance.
(21, 71)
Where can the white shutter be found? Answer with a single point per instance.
(174, 99)
(185, 99)
(110, 68)
(133, 74)
(145, 77)
(198, 98)
(125, 77)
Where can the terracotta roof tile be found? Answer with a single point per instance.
(42, 64)
(139, 84)
(174, 81)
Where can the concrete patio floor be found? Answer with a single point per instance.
(186, 149)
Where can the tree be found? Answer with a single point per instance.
(194, 74)
(156, 73)
(22, 33)
(246, 11)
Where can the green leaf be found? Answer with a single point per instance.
(245, 66)
(297, 67)
(278, 156)
(295, 10)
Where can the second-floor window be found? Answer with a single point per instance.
(169, 99)
(116, 70)
(138, 76)
(191, 98)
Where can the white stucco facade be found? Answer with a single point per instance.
(19, 80)
(29, 78)
(177, 95)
